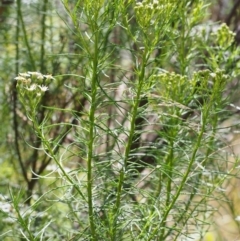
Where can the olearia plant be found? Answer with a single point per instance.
(135, 154)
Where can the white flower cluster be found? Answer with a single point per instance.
(25, 80)
(153, 5)
(149, 4)
(31, 86)
(150, 13)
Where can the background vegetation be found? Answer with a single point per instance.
(119, 120)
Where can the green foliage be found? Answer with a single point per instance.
(122, 143)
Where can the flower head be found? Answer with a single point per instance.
(48, 77)
(25, 75)
(20, 78)
(32, 87)
(43, 88)
(34, 74)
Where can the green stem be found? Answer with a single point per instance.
(43, 35)
(134, 113)
(48, 148)
(94, 85)
(169, 171)
(22, 221)
(15, 118)
(185, 176)
(32, 61)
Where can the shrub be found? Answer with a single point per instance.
(122, 143)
